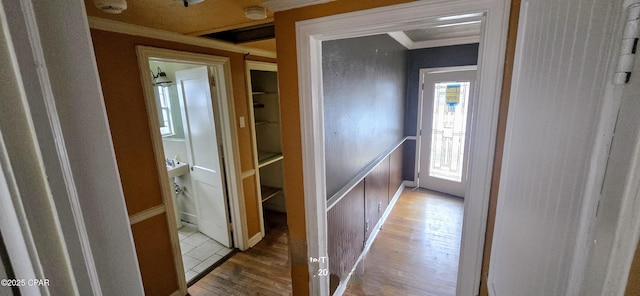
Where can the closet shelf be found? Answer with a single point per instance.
(266, 158)
(257, 123)
(269, 192)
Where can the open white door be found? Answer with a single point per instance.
(443, 143)
(203, 154)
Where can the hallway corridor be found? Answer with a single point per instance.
(417, 250)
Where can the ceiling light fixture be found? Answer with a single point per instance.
(255, 13)
(457, 24)
(186, 3)
(111, 6)
(460, 16)
(161, 78)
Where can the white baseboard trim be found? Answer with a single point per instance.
(408, 183)
(343, 285)
(191, 218)
(255, 239)
(177, 293)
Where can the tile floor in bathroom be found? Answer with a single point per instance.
(198, 250)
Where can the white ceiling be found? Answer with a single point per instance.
(444, 31)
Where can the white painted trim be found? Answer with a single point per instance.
(260, 66)
(77, 153)
(612, 227)
(405, 41)
(13, 225)
(309, 49)
(342, 287)
(446, 42)
(255, 239)
(281, 5)
(309, 37)
(70, 195)
(402, 38)
(135, 30)
(248, 173)
(627, 231)
(229, 141)
(146, 214)
(409, 184)
(335, 199)
(448, 69)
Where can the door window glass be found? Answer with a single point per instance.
(449, 130)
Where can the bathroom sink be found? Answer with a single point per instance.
(178, 170)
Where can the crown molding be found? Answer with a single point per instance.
(405, 41)
(136, 30)
(281, 5)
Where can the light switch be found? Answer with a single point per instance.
(242, 122)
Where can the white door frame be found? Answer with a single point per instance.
(228, 135)
(311, 33)
(473, 99)
(259, 66)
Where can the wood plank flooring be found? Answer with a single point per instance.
(262, 270)
(417, 250)
(415, 253)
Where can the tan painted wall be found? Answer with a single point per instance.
(633, 284)
(118, 68)
(290, 117)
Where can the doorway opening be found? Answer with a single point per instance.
(189, 102)
(311, 34)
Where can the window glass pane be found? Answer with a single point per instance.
(166, 124)
(448, 130)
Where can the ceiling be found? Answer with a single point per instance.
(170, 15)
(215, 16)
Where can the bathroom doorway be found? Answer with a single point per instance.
(188, 106)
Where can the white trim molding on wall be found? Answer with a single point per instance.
(311, 34)
(135, 30)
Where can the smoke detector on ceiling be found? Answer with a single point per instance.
(111, 6)
(189, 2)
(255, 13)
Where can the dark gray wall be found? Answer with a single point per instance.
(364, 102)
(448, 56)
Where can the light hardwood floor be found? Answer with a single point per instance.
(261, 270)
(417, 250)
(415, 253)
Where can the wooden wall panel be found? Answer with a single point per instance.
(345, 228)
(251, 205)
(376, 194)
(395, 170)
(155, 257)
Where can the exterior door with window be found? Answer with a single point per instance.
(444, 144)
